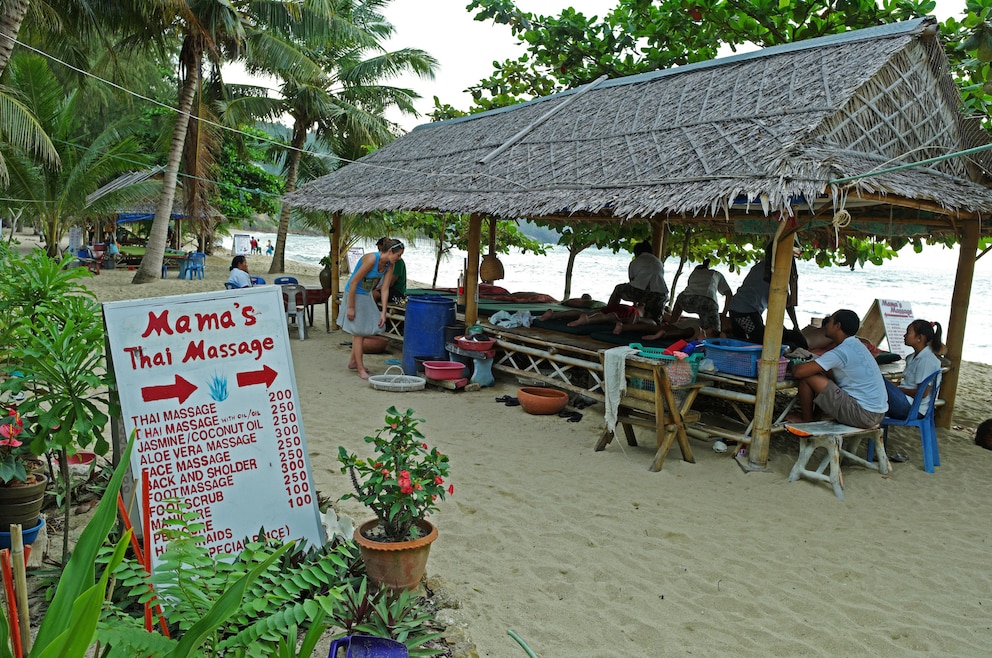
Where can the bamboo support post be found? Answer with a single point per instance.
(954, 339)
(472, 275)
(764, 408)
(20, 585)
(335, 267)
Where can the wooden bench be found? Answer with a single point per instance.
(833, 437)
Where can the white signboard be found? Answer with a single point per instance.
(75, 239)
(207, 382)
(242, 244)
(896, 318)
(354, 255)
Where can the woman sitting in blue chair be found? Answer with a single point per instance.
(239, 277)
(924, 338)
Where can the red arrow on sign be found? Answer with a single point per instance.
(264, 376)
(182, 389)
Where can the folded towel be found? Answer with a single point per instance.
(614, 381)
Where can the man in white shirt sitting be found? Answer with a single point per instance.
(844, 382)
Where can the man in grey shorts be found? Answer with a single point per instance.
(844, 382)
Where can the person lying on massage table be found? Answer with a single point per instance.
(622, 315)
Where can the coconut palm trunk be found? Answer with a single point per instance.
(299, 140)
(11, 17)
(151, 264)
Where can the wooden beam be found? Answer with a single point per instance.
(472, 276)
(954, 338)
(658, 238)
(335, 266)
(764, 408)
(915, 204)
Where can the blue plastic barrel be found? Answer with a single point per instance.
(423, 327)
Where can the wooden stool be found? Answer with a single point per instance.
(831, 436)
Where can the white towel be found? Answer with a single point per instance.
(615, 381)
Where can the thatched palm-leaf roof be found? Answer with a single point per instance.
(700, 141)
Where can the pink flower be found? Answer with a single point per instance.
(424, 445)
(438, 480)
(451, 490)
(406, 489)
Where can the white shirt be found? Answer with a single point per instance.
(706, 282)
(647, 272)
(239, 278)
(919, 367)
(856, 373)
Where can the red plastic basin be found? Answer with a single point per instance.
(443, 369)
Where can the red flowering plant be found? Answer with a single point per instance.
(403, 483)
(11, 455)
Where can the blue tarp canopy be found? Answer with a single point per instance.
(130, 217)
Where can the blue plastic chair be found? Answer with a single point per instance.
(285, 280)
(230, 286)
(195, 264)
(926, 424)
(257, 281)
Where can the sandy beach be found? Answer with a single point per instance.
(590, 554)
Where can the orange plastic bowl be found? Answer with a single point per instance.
(542, 401)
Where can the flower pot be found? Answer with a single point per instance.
(21, 502)
(374, 344)
(542, 401)
(28, 535)
(325, 278)
(397, 565)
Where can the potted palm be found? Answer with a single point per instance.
(402, 485)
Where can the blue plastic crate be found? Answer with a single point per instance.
(736, 357)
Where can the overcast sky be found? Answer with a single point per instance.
(466, 48)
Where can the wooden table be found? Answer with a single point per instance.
(657, 407)
(741, 393)
(315, 296)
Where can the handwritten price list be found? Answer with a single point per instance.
(215, 413)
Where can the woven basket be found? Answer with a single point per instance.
(491, 268)
(396, 383)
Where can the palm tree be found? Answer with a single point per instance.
(215, 31)
(347, 101)
(57, 196)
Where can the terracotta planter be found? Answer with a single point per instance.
(397, 565)
(21, 502)
(325, 278)
(374, 344)
(542, 401)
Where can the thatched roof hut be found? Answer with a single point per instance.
(819, 130)
(756, 132)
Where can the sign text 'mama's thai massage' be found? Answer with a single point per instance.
(207, 385)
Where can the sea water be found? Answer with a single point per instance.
(925, 280)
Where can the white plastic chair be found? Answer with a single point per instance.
(296, 311)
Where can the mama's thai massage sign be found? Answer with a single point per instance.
(206, 382)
